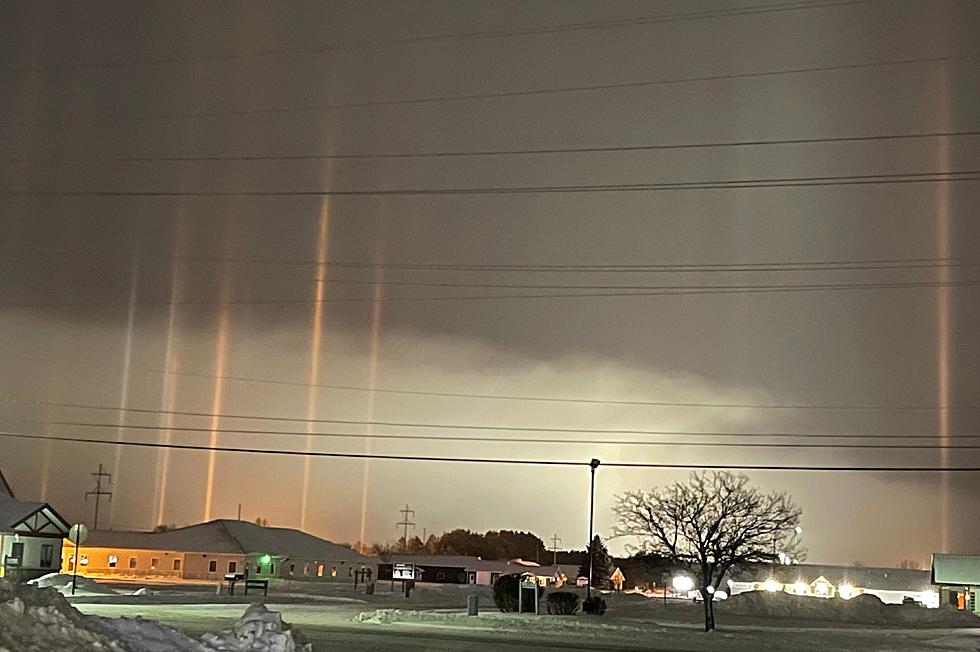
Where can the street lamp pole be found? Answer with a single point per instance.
(594, 464)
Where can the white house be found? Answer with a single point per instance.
(30, 536)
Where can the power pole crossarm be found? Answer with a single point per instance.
(407, 515)
(98, 492)
(555, 540)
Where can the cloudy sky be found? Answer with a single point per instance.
(330, 193)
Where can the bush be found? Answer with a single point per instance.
(562, 603)
(505, 593)
(594, 605)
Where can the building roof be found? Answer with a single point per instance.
(886, 579)
(478, 564)
(5, 490)
(956, 569)
(229, 537)
(28, 517)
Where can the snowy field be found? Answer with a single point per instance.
(334, 617)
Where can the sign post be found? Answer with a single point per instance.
(77, 534)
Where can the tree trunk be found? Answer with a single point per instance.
(709, 619)
(711, 610)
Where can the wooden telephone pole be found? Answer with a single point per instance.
(555, 540)
(406, 513)
(99, 492)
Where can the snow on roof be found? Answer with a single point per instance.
(230, 537)
(5, 490)
(956, 569)
(477, 564)
(892, 579)
(13, 512)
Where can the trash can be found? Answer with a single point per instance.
(369, 588)
(473, 605)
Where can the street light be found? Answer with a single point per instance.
(594, 464)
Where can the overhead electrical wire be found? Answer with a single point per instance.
(714, 290)
(495, 397)
(492, 152)
(441, 99)
(446, 38)
(504, 440)
(514, 461)
(899, 178)
(762, 266)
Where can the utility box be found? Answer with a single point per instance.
(473, 605)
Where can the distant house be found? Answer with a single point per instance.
(458, 569)
(208, 551)
(891, 585)
(957, 579)
(30, 536)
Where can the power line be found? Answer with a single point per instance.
(472, 460)
(900, 178)
(496, 397)
(518, 440)
(762, 266)
(454, 426)
(439, 99)
(495, 152)
(716, 290)
(445, 38)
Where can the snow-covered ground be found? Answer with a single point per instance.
(337, 617)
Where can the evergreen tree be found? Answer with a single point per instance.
(601, 563)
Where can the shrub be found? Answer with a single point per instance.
(505, 593)
(594, 605)
(562, 603)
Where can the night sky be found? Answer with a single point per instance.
(155, 234)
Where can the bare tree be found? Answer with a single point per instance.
(711, 525)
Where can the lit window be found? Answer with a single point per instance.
(306, 569)
(333, 571)
(154, 562)
(319, 570)
(84, 561)
(292, 569)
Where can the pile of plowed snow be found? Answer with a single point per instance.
(41, 619)
(258, 629)
(62, 582)
(36, 619)
(864, 609)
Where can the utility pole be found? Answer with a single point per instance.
(98, 493)
(555, 540)
(406, 513)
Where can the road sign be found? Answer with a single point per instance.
(78, 533)
(403, 572)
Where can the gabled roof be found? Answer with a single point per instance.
(5, 490)
(888, 579)
(26, 517)
(956, 569)
(477, 564)
(229, 537)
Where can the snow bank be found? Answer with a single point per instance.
(151, 636)
(864, 609)
(40, 619)
(33, 619)
(258, 629)
(62, 582)
(584, 625)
